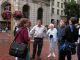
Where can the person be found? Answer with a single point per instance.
(24, 35)
(16, 29)
(38, 32)
(71, 35)
(61, 34)
(52, 37)
(78, 46)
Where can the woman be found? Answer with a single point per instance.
(61, 38)
(24, 35)
(52, 37)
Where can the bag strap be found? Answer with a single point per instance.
(16, 35)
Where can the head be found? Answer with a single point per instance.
(51, 26)
(24, 22)
(62, 22)
(39, 22)
(72, 20)
(79, 21)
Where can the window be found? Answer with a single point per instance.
(52, 10)
(26, 11)
(62, 12)
(57, 11)
(65, 0)
(58, 4)
(53, 2)
(61, 5)
(40, 13)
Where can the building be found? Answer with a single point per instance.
(32, 9)
(46, 10)
(57, 10)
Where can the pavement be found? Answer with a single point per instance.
(6, 39)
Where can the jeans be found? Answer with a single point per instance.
(37, 47)
(63, 54)
(78, 51)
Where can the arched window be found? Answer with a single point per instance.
(26, 10)
(40, 14)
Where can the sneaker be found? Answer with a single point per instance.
(38, 58)
(32, 58)
(53, 55)
(49, 55)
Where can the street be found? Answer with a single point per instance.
(6, 39)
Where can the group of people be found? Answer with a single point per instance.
(62, 34)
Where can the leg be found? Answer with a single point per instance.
(40, 45)
(28, 56)
(78, 51)
(16, 58)
(68, 55)
(34, 48)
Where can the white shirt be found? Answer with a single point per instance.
(38, 31)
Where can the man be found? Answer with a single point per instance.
(71, 36)
(38, 32)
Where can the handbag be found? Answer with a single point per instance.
(51, 36)
(73, 48)
(18, 49)
(67, 46)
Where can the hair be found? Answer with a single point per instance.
(73, 20)
(23, 21)
(50, 25)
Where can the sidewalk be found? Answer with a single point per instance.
(5, 40)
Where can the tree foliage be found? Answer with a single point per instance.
(72, 9)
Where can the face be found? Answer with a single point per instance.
(52, 26)
(79, 21)
(70, 22)
(62, 23)
(28, 24)
(39, 23)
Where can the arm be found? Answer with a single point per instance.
(32, 31)
(26, 36)
(55, 35)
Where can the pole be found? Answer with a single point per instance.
(12, 16)
(50, 10)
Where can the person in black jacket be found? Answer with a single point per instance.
(71, 36)
(78, 47)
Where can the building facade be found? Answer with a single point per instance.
(32, 9)
(45, 10)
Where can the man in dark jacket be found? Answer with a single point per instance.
(71, 36)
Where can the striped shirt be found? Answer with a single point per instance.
(39, 32)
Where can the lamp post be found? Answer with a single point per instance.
(12, 16)
(50, 10)
(0, 8)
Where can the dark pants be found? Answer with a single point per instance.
(78, 51)
(63, 54)
(38, 43)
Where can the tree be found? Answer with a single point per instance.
(71, 9)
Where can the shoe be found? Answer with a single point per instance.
(38, 58)
(53, 55)
(49, 55)
(32, 58)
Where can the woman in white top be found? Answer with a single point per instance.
(52, 37)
